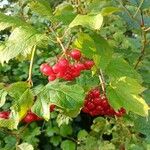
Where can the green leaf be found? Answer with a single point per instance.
(3, 95)
(25, 146)
(15, 90)
(24, 103)
(65, 13)
(118, 68)
(124, 92)
(10, 123)
(65, 130)
(55, 140)
(41, 7)
(9, 21)
(41, 106)
(68, 145)
(86, 44)
(21, 42)
(142, 125)
(92, 21)
(23, 97)
(98, 124)
(63, 119)
(109, 10)
(68, 97)
(82, 135)
(104, 51)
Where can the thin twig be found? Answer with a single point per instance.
(58, 39)
(29, 80)
(128, 12)
(138, 9)
(144, 42)
(147, 29)
(69, 42)
(142, 51)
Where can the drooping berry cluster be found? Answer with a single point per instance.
(96, 104)
(30, 116)
(67, 69)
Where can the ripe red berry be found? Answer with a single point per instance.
(30, 117)
(52, 107)
(46, 69)
(80, 66)
(89, 64)
(63, 63)
(52, 77)
(85, 110)
(4, 114)
(75, 54)
(56, 68)
(90, 106)
(43, 66)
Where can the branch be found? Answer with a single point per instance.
(29, 80)
(142, 51)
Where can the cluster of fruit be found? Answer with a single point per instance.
(30, 116)
(97, 104)
(67, 68)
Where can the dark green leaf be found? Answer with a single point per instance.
(68, 145)
(68, 97)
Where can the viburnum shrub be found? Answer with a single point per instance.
(74, 74)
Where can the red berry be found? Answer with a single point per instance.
(60, 74)
(63, 63)
(52, 107)
(30, 117)
(75, 54)
(90, 106)
(43, 66)
(52, 77)
(4, 114)
(96, 93)
(89, 64)
(75, 72)
(97, 101)
(80, 66)
(46, 70)
(85, 110)
(56, 68)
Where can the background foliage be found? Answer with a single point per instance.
(114, 33)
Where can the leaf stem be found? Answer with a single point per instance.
(144, 41)
(138, 9)
(102, 81)
(29, 80)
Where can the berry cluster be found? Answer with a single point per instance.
(30, 116)
(4, 114)
(96, 104)
(67, 69)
